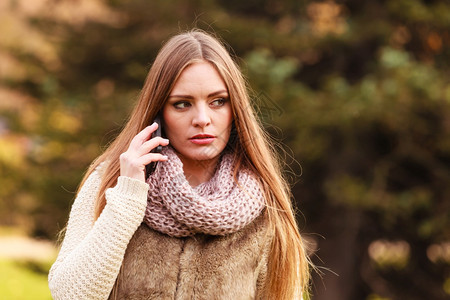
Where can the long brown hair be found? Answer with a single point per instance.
(288, 268)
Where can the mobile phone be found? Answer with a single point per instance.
(158, 132)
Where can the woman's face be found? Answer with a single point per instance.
(198, 116)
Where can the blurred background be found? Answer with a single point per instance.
(357, 92)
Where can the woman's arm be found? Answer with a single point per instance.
(92, 251)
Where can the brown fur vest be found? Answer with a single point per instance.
(157, 266)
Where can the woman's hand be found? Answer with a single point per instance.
(134, 160)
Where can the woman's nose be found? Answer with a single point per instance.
(201, 117)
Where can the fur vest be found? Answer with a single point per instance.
(157, 266)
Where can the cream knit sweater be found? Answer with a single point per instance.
(92, 251)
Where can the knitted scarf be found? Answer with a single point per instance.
(217, 207)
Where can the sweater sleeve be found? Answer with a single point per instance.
(92, 250)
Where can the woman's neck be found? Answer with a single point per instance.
(199, 171)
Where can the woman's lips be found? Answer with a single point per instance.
(202, 139)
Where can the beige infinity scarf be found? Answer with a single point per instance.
(217, 207)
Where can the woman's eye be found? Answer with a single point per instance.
(218, 102)
(181, 104)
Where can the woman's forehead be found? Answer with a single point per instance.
(200, 77)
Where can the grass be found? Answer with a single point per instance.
(23, 280)
(24, 265)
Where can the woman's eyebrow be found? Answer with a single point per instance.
(191, 97)
(217, 93)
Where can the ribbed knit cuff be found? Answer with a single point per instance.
(127, 202)
(131, 188)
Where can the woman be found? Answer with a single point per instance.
(213, 221)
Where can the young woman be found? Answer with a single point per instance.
(213, 221)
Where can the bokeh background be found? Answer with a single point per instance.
(356, 92)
